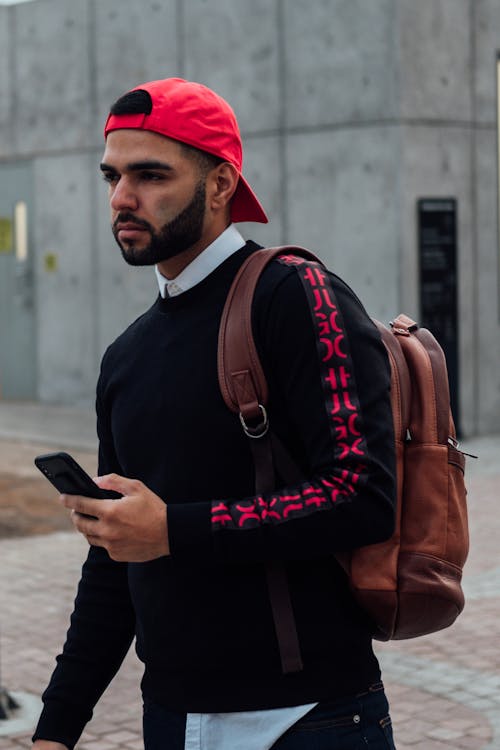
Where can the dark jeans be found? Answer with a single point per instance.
(361, 722)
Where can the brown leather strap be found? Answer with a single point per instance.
(429, 421)
(289, 472)
(277, 582)
(400, 382)
(244, 389)
(441, 384)
(265, 476)
(284, 618)
(241, 377)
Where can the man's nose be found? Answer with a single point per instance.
(123, 196)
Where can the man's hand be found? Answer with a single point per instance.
(131, 529)
(48, 745)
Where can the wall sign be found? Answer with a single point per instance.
(437, 241)
(5, 235)
(50, 262)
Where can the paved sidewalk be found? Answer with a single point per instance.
(444, 689)
(26, 421)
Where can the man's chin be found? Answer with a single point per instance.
(134, 252)
(135, 256)
(137, 260)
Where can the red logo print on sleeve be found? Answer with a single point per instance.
(343, 414)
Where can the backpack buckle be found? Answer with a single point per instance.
(403, 325)
(258, 430)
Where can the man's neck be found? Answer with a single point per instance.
(227, 243)
(172, 267)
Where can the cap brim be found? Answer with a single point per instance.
(245, 206)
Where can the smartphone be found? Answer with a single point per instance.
(69, 478)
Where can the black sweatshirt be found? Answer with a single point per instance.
(202, 616)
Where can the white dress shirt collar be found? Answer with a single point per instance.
(207, 261)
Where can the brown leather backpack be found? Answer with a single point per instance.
(410, 584)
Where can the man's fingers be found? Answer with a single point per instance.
(84, 524)
(85, 505)
(123, 485)
(132, 529)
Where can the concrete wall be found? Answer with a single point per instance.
(351, 110)
(484, 200)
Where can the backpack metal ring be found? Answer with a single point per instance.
(260, 429)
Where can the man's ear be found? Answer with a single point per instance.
(222, 182)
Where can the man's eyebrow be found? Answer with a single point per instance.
(140, 165)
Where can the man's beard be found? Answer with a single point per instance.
(173, 238)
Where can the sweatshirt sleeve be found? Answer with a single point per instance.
(329, 383)
(99, 636)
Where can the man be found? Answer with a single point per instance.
(180, 560)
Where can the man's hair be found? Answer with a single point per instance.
(139, 102)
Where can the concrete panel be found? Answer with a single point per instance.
(435, 59)
(339, 61)
(436, 162)
(53, 87)
(263, 170)
(134, 42)
(343, 205)
(6, 113)
(232, 46)
(488, 290)
(65, 278)
(487, 45)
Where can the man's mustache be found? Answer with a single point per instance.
(125, 218)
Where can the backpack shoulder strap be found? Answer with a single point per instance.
(400, 383)
(244, 388)
(430, 420)
(241, 377)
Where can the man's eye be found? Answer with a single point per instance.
(151, 176)
(110, 177)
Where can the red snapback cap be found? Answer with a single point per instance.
(194, 114)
